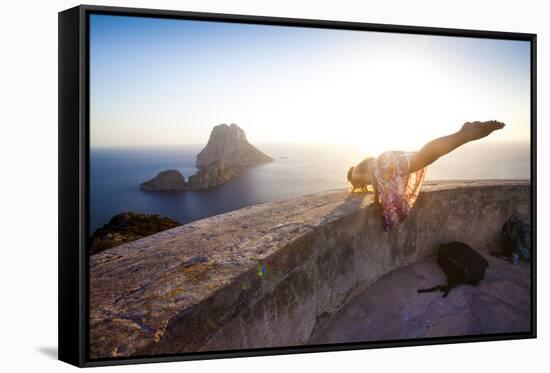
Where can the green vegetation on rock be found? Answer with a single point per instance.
(126, 227)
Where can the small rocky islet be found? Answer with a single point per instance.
(226, 152)
(165, 181)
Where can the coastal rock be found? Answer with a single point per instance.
(166, 181)
(126, 227)
(229, 144)
(214, 174)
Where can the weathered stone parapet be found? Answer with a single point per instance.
(268, 275)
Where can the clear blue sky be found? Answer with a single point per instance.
(161, 81)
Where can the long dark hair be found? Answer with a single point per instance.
(364, 166)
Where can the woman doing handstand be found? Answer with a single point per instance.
(397, 176)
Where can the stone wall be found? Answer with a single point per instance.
(269, 275)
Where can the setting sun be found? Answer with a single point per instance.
(376, 91)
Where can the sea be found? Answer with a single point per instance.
(297, 169)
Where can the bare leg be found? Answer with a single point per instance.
(470, 131)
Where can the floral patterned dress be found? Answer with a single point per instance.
(397, 188)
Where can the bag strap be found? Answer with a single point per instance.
(446, 288)
(429, 290)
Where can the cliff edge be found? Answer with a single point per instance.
(270, 274)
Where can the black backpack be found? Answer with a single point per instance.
(516, 237)
(461, 264)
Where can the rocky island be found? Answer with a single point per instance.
(166, 181)
(226, 152)
(214, 174)
(229, 144)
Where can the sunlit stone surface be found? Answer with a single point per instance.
(277, 274)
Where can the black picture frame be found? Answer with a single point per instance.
(74, 174)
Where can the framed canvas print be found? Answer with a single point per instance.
(239, 185)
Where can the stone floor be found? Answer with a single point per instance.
(392, 309)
